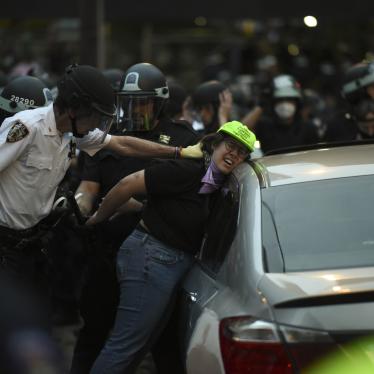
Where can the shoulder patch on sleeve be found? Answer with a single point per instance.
(17, 132)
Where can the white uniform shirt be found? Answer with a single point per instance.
(32, 168)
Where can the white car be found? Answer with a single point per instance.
(286, 271)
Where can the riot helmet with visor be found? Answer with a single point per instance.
(142, 98)
(85, 90)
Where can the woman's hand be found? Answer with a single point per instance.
(225, 106)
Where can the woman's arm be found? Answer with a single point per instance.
(133, 184)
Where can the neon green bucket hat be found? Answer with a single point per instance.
(239, 132)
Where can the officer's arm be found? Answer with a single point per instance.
(120, 194)
(86, 195)
(131, 146)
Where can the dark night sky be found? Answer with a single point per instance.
(147, 10)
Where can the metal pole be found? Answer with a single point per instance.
(146, 42)
(92, 33)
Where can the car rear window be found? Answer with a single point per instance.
(319, 225)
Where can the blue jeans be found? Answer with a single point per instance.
(148, 272)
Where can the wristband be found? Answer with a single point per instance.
(177, 153)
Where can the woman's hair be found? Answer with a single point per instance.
(210, 141)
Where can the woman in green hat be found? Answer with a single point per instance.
(154, 258)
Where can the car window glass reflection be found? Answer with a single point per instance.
(224, 209)
(323, 224)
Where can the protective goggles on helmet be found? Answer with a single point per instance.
(239, 132)
(137, 113)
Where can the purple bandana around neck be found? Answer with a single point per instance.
(212, 180)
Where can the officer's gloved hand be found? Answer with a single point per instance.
(192, 151)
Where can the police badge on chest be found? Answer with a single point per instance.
(164, 139)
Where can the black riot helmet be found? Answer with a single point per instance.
(207, 95)
(142, 97)
(114, 77)
(85, 90)
(355, 81)
(23, 93)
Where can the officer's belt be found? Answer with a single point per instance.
(19, 234)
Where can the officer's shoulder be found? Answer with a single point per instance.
(105, 153)
(182, 124)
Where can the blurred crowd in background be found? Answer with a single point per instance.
(241, 54)
(277, 67)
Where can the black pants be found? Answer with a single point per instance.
(26, 265)
(98, 305)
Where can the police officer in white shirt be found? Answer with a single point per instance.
(36, 147)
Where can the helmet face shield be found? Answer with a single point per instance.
(137, 113)
(105, 124)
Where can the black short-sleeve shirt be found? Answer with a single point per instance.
(175, 212)
(108, 168)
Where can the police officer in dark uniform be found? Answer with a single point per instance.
(356, 122)
(141, 103)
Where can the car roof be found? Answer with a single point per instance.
(316, 164)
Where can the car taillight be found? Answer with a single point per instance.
(251, 345)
